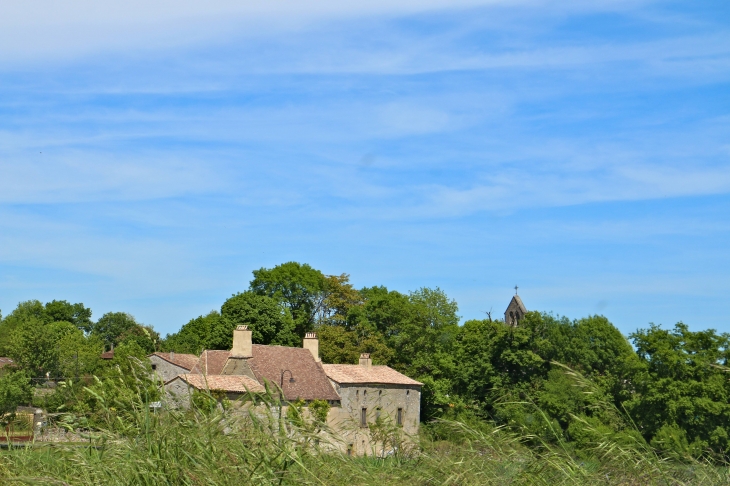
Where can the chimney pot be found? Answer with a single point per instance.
(312, 344)
(242, 343)
(365, 360)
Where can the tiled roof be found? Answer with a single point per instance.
(107, 354)
(6, 362)
(228, 383)
(310, 383)
(211, 362)
(346, 373)
(187, 361)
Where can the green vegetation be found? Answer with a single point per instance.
(214, 446)
(572, 400)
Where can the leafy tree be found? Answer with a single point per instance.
(339, 345)
(684, 386)
(79, 356)
(33, 348)
(384, 310)
(28, 311)
(193, 337)
(144, 336)
(339, 298)
(77, 314)
(423, 340)
(299, 287)
(269, 322)
(112, 326)
(15, 390)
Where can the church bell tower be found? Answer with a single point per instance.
(515, 311)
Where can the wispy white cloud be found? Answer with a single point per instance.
(183, 146)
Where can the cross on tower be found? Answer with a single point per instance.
(516, 289)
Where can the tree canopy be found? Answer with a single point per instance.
(554, 378)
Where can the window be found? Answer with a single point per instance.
(377, 413)
(364, 417)
(380, 392)
(350, 448)
(154, 367)
(408, 392)
(399, 417)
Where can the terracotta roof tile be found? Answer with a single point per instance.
(228, 383)
(310, 383)
(346, 373)
(187, 361)
(5, 362)
(310, 380)
(211, 362)
(107, 354)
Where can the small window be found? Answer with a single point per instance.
(408, 392)
(364, 417)
(399, 417)
(350, 448)
(357, 394)
(380, 392)
(364, 393)
(154, 367)
(377, 413)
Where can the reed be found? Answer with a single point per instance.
(233, 446)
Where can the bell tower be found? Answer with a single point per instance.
(515, 311)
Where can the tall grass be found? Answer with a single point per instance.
(228, 447)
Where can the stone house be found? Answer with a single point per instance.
(372, 394)
(167, 366)
(359, 395)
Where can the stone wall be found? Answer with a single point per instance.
(381, 404)
(165, 370)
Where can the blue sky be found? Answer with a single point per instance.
(153, 154)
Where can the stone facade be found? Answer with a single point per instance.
(394, 407)
(374, 409)
(515, 312)
(167, 366)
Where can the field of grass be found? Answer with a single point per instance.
(216, 449)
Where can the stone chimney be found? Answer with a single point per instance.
(242, 344)
(312, 344)
(365, 360)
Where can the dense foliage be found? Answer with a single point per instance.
(552, 380)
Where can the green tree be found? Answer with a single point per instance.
(28, 311)
(15, 390)
(340, 345)
(193, 337)
(684, 386)
(77, 314)
(270, 322)
(299, 287)
(34, 348)
(79, 355)
(112, 326)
